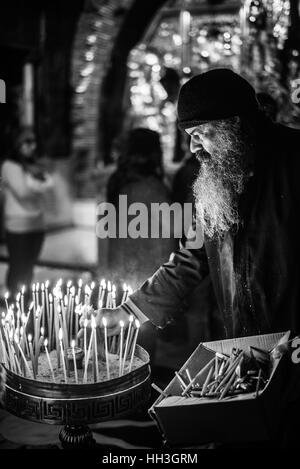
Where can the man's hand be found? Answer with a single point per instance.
(112, 316)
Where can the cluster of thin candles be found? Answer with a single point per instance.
(52, 322)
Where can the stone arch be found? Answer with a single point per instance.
(107, 31)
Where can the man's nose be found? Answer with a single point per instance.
(195, 145)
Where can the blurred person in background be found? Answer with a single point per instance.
(139, 176)
(24, 182)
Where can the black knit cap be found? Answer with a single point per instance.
(217, 94)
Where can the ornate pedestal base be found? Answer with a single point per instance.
(77, 437)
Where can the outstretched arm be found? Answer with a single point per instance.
(161, 296)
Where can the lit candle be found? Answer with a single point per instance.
(103, 293)
(23, 358)
(137, 325)
(3, 353)
(108, 299)
(127, 341)
(56, 329)
(48, 310)
(50, 306)
(84, 337)
(19, 371)
(37, 351)
(79, 289)
(6, 296)
(104, 322)
(129, 292)
(60, 337)
(124, 293)
(9, 348)
(71, 309)
(113, 296)
(69, 286)
(91, 291)
(95, 354)
(37, 289)
(31, 355)
(86, 363)
(74, 360)
(48, 359)
(36, 330)
(99, 305)
(44, 307)
(121, 346)
(33, 297)
(22, 299)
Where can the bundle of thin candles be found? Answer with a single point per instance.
(45, 334)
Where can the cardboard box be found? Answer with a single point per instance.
(189, 421)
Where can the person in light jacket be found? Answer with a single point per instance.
(24, 183)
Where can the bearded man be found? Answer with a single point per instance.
(247, 198)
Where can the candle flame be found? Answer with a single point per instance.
(29, 337)
(42, 331)
(72, 290)
(69, 283)
(131, 318)
(47, 283)
(102, 283)
(87, 290)
(18, 296)
(42, 287)
(73, 343)
(80, 282)
(60, 334)
(23, 289)
(45, 342)
(93, 320)
(37, 286)
(50, 298)
(124, 287)
(109, 285)
(92, 285)
(130, 290)
(16, 338)
(137, 323)
(114, 289)
(33, 287)
(121, 324)
(6, 296)
(104, 322)
(85, 323)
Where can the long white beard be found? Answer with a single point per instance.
(216, 190)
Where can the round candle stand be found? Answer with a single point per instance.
(75, 406)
